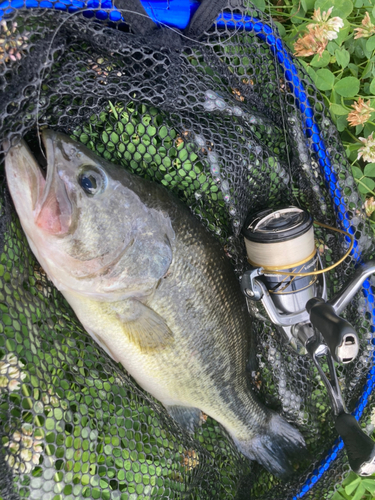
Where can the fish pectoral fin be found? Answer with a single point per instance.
(188, 417)
(144, 327)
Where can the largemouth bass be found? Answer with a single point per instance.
(151, 286)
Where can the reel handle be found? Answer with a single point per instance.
(339, 334)
(360, 448)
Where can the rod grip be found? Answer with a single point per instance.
(360, 448)
(338, 333)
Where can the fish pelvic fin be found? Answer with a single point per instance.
(187, 417)
(279, 447)
(144, 327)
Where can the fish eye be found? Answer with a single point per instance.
(92, 181)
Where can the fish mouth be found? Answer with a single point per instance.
(53, 211)
(35, 195)
(25, 179)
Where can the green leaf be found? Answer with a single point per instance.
(352, 151)
(353, 485)
(361, 489)
(325, 79)
(296, 13)
(369, 484)
(372, 87)
(363, 44)
(347, 87)
(370, 172)
(320, 62)
(340, 495)
(357, 174)
(342, 57)
(312, 74)
(359, 46)
(280, 29)
(353, 156)
(341, 8)
(261, 4)
(367, 70)
(339, 110)
(341, 123)
(358, 129)
(349, 478)
(343, 33)
(370, 44)
(334, 97)
(358, 4)
(368, 128)
(353, 69)
(366, 185)
(331, 47)
(353, 147)
(113, 110)
(308, 4)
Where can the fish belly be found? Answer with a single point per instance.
(195, 372)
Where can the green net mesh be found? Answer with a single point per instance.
(214, 121)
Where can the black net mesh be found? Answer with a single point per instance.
(215, 121)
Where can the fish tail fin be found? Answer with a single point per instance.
(278, 447)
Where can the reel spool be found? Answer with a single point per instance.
(283, 240)
(286, 276)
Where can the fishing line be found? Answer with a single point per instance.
(272, 270)
(81, 11)
(280, 80)
(43, 73)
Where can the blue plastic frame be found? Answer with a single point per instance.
(177, 14)
(173, 13)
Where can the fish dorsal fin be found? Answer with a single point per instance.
(144, 327)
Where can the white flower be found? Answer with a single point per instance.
(319, 34)
(368, 150)
(329, 27)
(313, 42)
(11, 375)
(24, 449)
(361, 114)
(367, 30)
(369, 206)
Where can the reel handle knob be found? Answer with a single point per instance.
(338, 333)
(360, 448)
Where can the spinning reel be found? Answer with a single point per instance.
(287, 278)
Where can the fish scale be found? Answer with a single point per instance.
(151, 286)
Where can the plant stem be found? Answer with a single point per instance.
(358, 181)
(352, 135)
